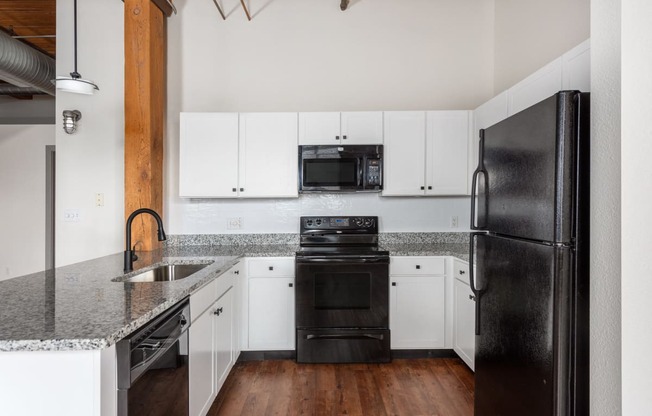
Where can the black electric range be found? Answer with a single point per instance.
(342, 291)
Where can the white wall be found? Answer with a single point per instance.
(531, 33)
(22, 204)
(310, 56)
(636, 201)
(606, 210)
(38, 110)
(91, 160)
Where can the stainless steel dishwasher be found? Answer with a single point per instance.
(153, 366)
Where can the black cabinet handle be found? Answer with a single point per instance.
(418, 267)
(218, 311)
(393, 283)
(462, 272)
(234, 190)
(423, 187)
(271, 267)
(291, 284)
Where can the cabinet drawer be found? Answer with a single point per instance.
(416, 265)
(202, 299)
(461, 271)
(272, 267)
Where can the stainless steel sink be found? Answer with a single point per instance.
(166, 273)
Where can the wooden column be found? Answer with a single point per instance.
(145, 97)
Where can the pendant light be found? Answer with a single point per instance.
(75, 83)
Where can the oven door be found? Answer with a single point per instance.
(334, 292)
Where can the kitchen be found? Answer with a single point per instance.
(101, 136)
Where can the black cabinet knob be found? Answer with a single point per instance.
(291, 284)
(418, 267)
(241, 189)
(462, 272)
(236, 272)
(234, 190)
(472, 297)
(430, 187)
(218, 311)
(422, 188)
(344, 137)
(337, 137)
(393, 283)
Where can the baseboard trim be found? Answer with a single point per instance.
(292, 355)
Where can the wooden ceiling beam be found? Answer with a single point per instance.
(145, 98)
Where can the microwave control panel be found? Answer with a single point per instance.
(373, 172)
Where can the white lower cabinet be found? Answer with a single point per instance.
(464, 315)
(271, 304)
(417, 308)
(212, 341)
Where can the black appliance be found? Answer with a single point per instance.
(342, 292)
(350, 168)
(153, 366)
(532, 280)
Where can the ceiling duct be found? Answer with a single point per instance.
(8, 89)
(24, 66)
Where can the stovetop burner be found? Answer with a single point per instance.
(340, 236)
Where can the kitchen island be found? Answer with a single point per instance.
(59, 328)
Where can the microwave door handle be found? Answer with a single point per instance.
(360, 170)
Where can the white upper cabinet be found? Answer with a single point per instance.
(426, 153)
(577, 67)
(486, 115)
(268, 155)
(537, 87)
(447, 152)
(404, 159)
(230, 155)
(208, 155)
(362, 127)
(358, 127)
(319, 128)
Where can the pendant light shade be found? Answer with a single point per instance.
(75, 83)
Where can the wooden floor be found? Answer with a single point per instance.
(433, 386)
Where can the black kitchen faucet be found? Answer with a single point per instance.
(130, 254)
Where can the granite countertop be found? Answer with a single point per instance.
(79, 307)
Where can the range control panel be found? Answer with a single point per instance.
(339, 223)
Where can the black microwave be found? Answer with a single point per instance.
(349, 168)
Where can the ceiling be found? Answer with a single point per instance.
(33, 19)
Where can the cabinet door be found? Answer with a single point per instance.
(208, 155)
(464, 322)
(223, 318)
(201, 363)
(362, 127)
(319, 128)
(405, 161)
(447, 149)
(576, 68)
(417, 311)
(268, 155)
(542, 84)
(271, 313)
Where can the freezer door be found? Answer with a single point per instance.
(530, 168)
(523, 346)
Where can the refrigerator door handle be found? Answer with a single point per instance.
(480, 169)
(477, 292)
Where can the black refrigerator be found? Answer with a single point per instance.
(530, 245)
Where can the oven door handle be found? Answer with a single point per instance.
(328, 259)
(379, 337)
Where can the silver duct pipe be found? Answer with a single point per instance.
(23, 66)
(8, 89)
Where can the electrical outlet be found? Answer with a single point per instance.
(234, 223)
(99, 199)
(71, 215)
(455, 221)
